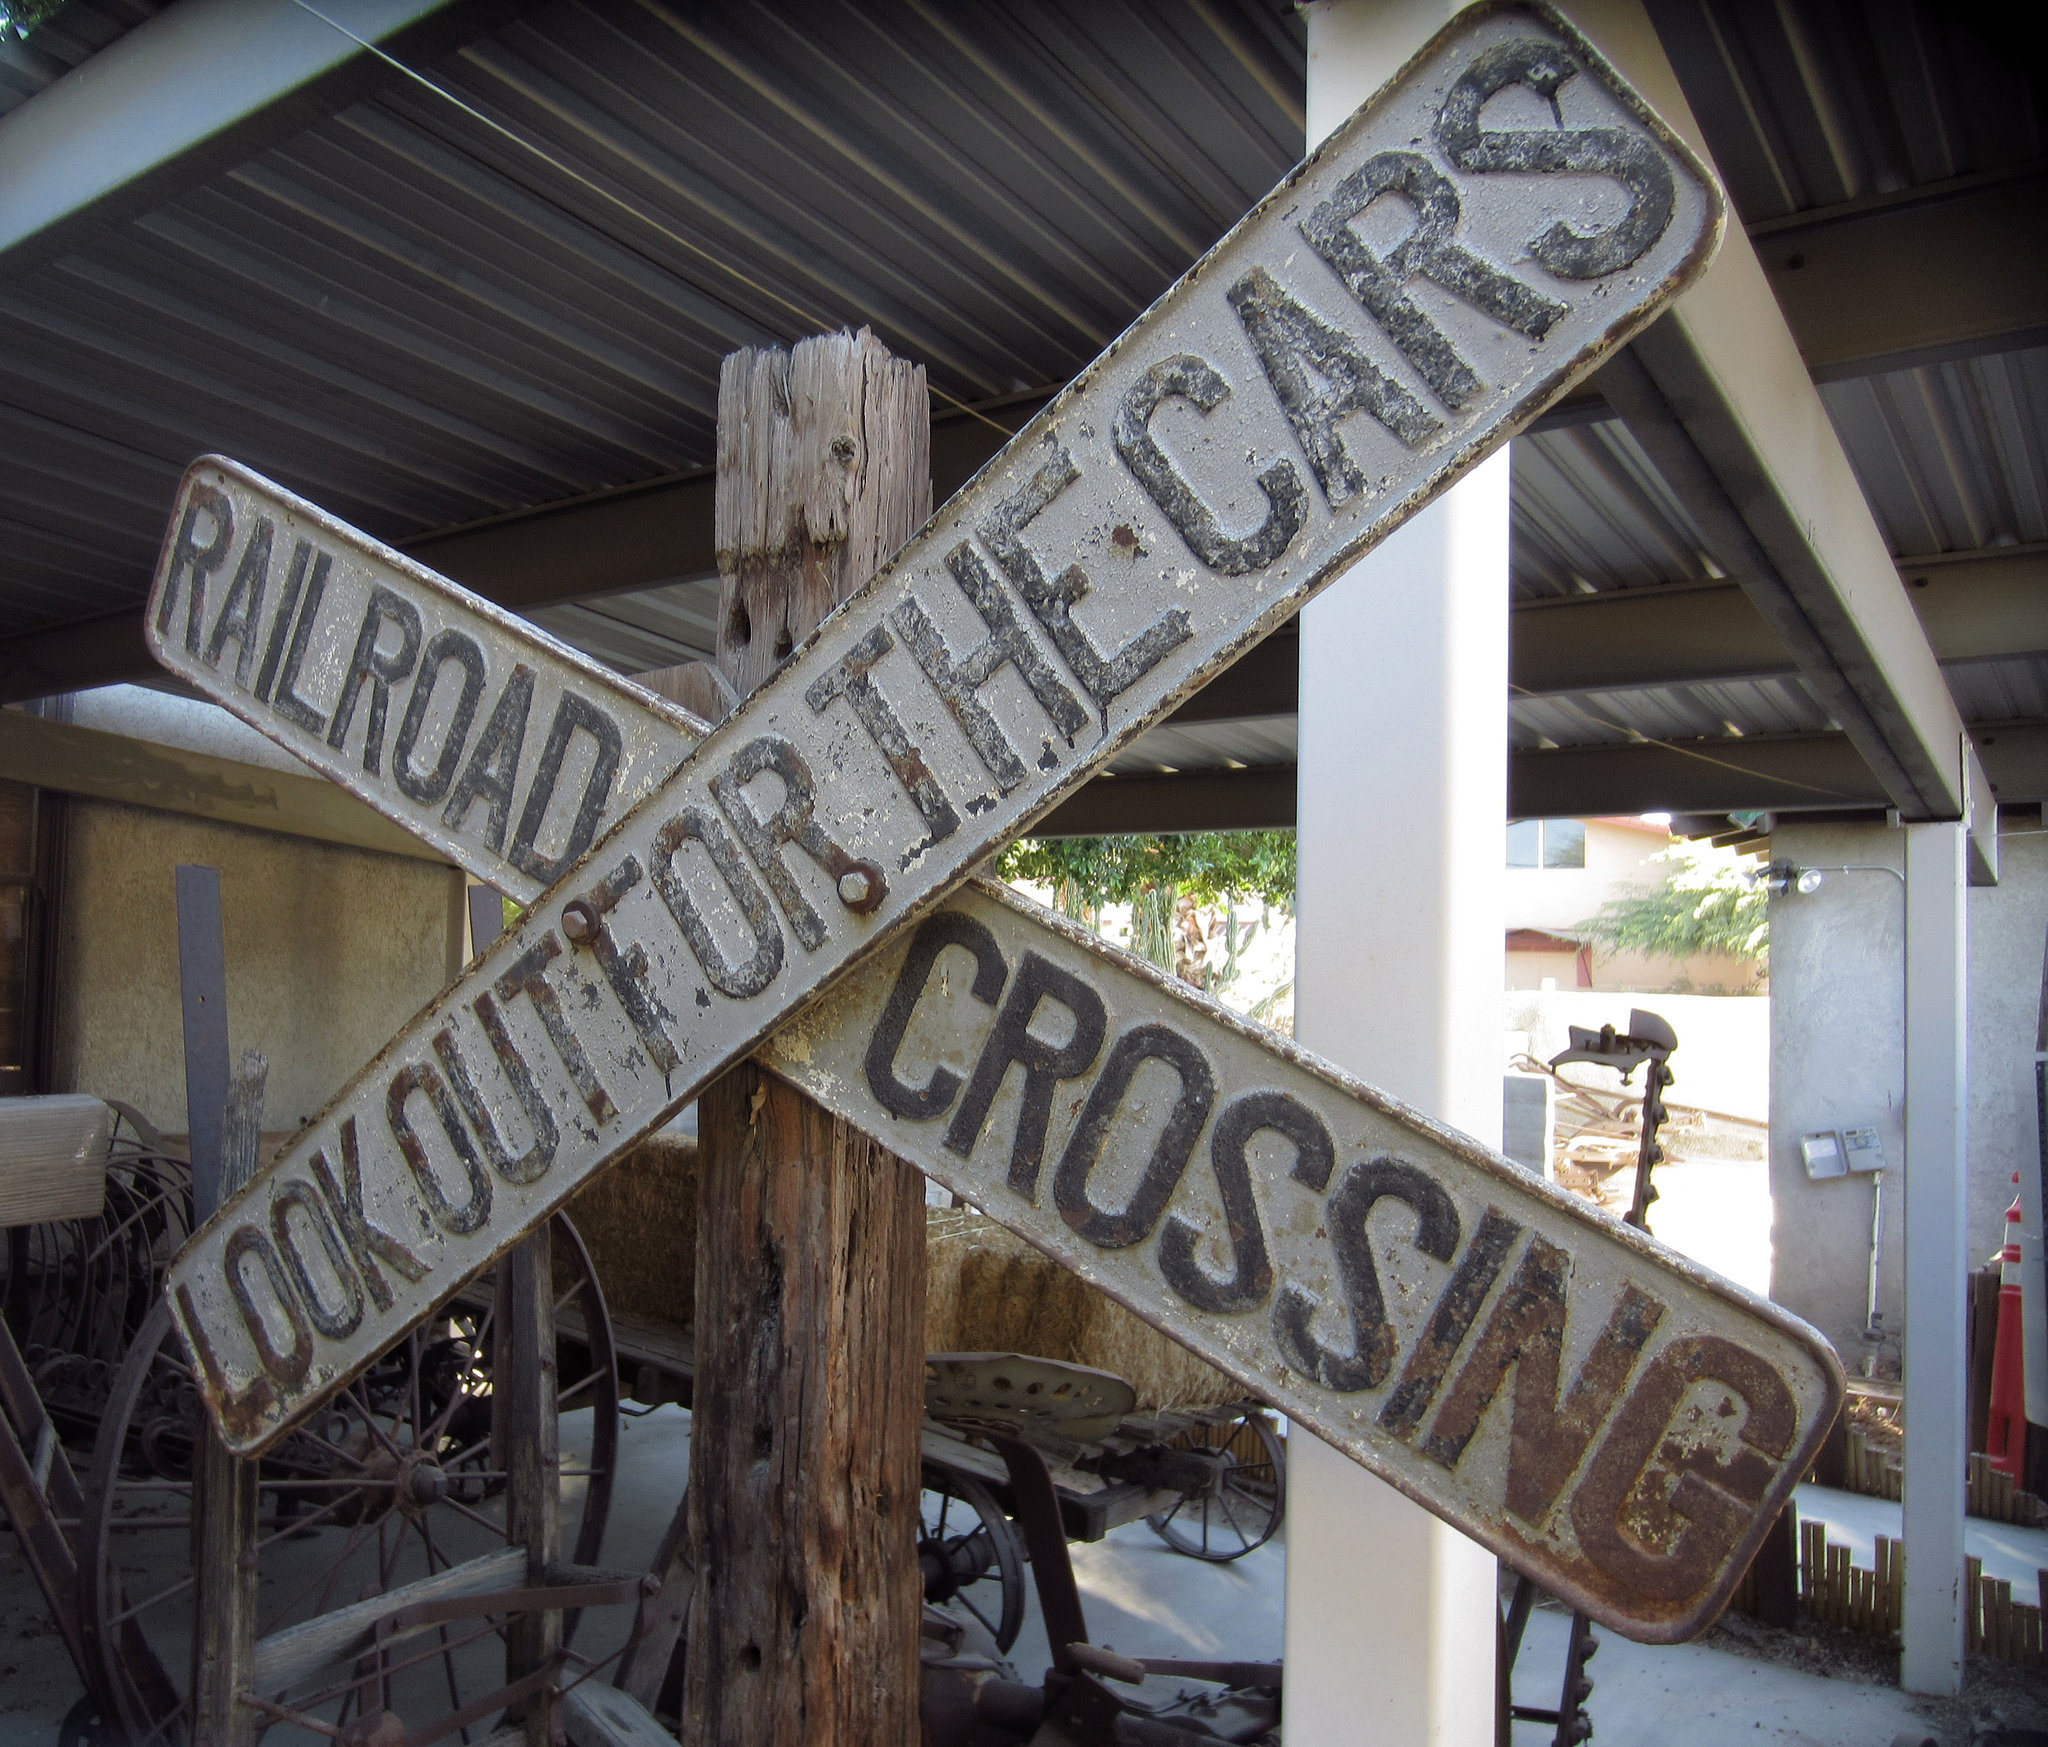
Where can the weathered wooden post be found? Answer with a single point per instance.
(804, 1470)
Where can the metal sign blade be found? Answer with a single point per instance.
(1266, 422)
(1605, 1415)
(865, 1051)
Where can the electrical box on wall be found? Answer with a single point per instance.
(1823, 1156)
(1862, 1149)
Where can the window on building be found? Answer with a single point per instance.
(1547, 843)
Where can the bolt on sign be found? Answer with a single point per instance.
(1301, 391)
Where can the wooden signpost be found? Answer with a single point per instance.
(1610, 1419)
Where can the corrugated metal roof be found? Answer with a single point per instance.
(1591, 514)
(657, 627)
(1953, 457)
(417, 323)
(1780, 705)
(1808, 103)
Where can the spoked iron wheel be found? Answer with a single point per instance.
(400, 1475)
(970, 1553)
(1242, 1505)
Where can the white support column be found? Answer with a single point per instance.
(1390, 1633)
(1937, 1259)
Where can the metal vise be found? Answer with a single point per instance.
(1648, 1038)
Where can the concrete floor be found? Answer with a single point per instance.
(1145, 1600)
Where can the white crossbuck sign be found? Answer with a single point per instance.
(1606, 1416)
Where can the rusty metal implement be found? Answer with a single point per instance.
(1290, 401)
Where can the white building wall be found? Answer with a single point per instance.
(1837, 1061)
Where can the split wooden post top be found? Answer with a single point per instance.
(804, 1473)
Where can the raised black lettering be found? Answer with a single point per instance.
(1526, 1334)
(1132, 1224)
(791, 822)
(194, 562)
(1252, 1280)
(935, 1097)
(470, 1214)
(370, 666)
(515, 1168)
(1052, 602)
(1457, 1307)
(1199, 383)
(1008, 644)
(627, 971)
(286, 701)
(281, 625)
(241, 612)
(1663, 1540)
(1429, 251)
(493, 768)
(442, 648)
(368, 1244)
(527, 977)
(335, 1322)
(853, 680)
(1294, 344)
(761, 967)
(1347, 1214)
(1010, 1039)
(287, 1368)
(573, 715)
(1592, 151)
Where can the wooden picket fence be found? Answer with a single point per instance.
(1837, 1591)
(1874, 1471)
(1993, 1495)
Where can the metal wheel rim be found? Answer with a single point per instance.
(1006, 1547)
(1240, 1514)
(150, 1709)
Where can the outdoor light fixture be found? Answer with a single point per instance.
(1781, 877)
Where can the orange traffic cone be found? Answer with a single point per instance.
(2006, 1436)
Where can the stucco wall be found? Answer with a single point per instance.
(1837, 1040)
(329, 951)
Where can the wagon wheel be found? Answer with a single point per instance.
(395, 1478)
(1246, 1497)
(970, 1552)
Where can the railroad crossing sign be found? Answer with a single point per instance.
(1283, 407)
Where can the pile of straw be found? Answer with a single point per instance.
(639, 1222)
(989, 1292)
(986, 1291)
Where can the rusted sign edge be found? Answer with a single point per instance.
(252, 1437)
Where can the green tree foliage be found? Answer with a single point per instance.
(19, 17)
(1707, 903)
(1212, 867)
(1183, 892)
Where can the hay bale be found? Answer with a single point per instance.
(639, 1222)
(987, 1291)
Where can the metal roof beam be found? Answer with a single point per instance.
(197, 89)
(1923, 276)
(1794, 772)
(1719, 397)
(1972, 606)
